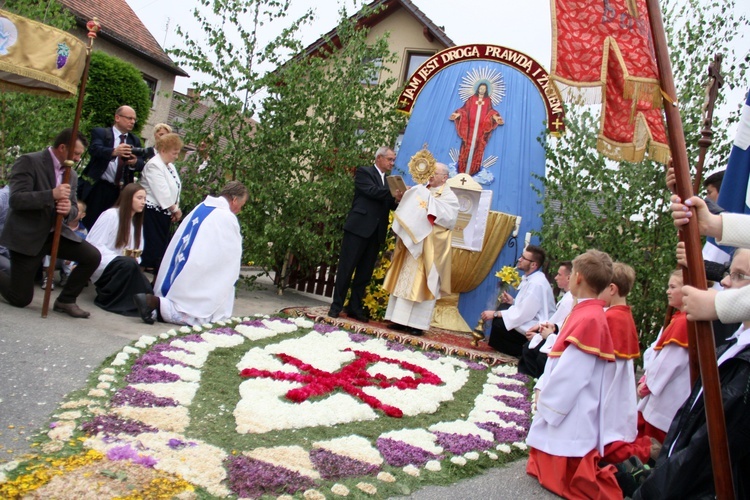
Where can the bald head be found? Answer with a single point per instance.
(440, 175)
(125, 119)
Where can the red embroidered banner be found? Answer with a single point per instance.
(606, 47)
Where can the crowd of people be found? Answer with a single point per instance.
(597, 431)
(119, 229)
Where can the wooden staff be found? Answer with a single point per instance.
(717, 433)
(715, 80)
(93, 27)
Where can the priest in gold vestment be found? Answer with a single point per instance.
(420, 272)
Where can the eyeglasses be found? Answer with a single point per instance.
(737, 276)
(527, 260)
(131, 118)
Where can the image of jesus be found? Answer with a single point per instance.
(475, 121)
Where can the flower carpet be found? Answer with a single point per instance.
(277, 408)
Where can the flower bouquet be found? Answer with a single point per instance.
(509, 278)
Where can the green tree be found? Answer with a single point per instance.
(620, 208)
(317, 122)
(114, 83)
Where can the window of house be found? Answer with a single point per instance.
(374, 76)
(151, 82)
(414, 60)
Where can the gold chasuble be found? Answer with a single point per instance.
(420, 271)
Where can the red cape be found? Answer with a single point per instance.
(623, 331)
(675, 332)
(586, 328)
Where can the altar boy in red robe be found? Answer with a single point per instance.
(620, 404)
(566, 438)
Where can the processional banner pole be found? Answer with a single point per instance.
(717, 433)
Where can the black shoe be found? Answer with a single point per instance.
(146, 311)
(333, 313)
(358, 317)
(406, 329)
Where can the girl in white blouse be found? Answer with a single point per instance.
(118, 235)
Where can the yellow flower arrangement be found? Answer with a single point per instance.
(508, 277)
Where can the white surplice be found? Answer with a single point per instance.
(201, 265)
(413, 228)
(668, 379)
(103, 236)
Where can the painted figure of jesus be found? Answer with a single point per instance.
(475, 121)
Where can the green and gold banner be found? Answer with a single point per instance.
(39, 59)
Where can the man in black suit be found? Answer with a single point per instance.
(364, 234)
(112, 164)
(37, 195)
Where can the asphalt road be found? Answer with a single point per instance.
(42, 360)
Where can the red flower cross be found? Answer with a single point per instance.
(351, 378)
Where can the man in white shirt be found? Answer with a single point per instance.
(533, 304)
(543, 335)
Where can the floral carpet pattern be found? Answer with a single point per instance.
(275, 407)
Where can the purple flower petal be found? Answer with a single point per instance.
(147, 375)
(400, 454)
(131, 396)
(250, 478)
(191, 338)
(459, 444)
(333, 466)
(224, 331)
(324, 328)
(359, 338)
(111, 425)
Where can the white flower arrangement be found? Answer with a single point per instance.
(106, 378)
(415, 437)
(182, 392)
(368, 488)
(255, 332)
(185, 373)
(503, 448)
(340, 490)
(303, 322)
(185, 329)
(313, 495)
(458, 461)
(130, 350)
(385, 477)
(433, 466)
(294, 458)
(120, 359)
(472, 455)
(490, 455)
(170, 419)
(279, 327)
(462, 428)
(520, 446)
(147, 339)
(354, 447)
(411, 470)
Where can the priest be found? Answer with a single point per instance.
(195, 284)
(420, 272)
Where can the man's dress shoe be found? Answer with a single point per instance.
(71, 309)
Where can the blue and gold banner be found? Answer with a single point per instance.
(39, 59)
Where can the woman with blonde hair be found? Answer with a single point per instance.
(160, 129)
(162, 184)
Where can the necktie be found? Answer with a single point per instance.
(120, 165)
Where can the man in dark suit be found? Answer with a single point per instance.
(37, 195)
(364, 234)
(112, 164)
